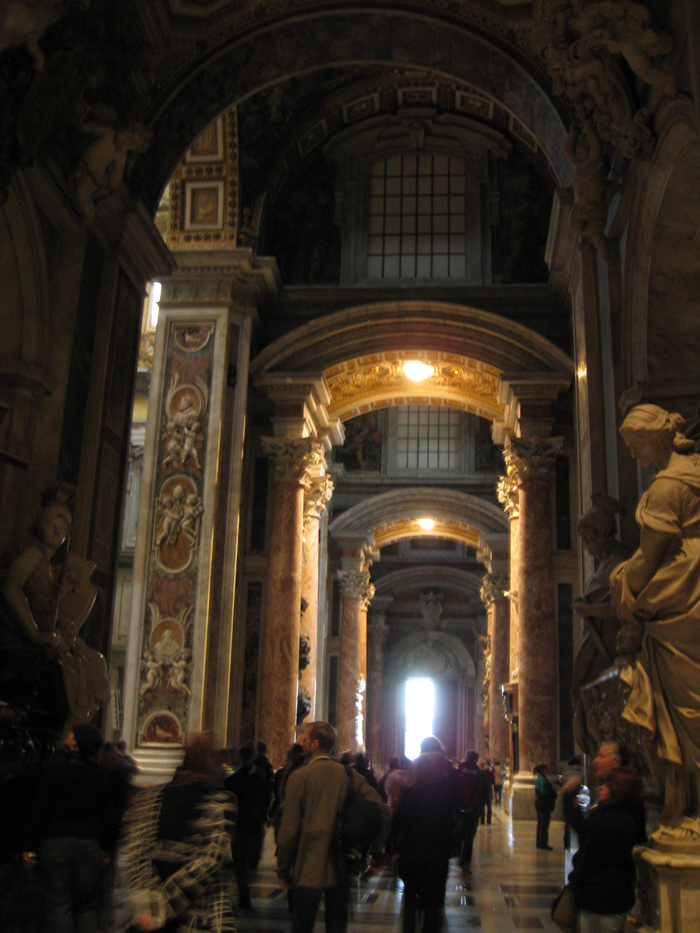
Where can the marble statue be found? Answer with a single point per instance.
(657, 593)
(601, 621)
(46, 612)
(625, 28)
(102, 165)
(592, 191)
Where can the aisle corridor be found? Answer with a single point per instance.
(511, 889)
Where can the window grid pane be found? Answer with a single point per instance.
(417, 218)
(427, 437)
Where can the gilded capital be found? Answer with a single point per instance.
(293, 457)
(507, 492)
(317, 495)
(531, 459)
(493, 588)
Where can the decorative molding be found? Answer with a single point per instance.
(378, 381)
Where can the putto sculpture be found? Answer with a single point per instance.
(657, 592)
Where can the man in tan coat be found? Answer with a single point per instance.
(307, 856)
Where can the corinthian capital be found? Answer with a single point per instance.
(493, 588)
(317, 495)
(533, 458)
(507, 492)
(355, 585)
(293, 457)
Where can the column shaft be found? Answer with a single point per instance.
(537, 641)
(309, 620)
(500, 674)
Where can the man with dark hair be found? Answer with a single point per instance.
(308, 859)
(474, 789)
(264, 765)
(249, 785)
(73, 827)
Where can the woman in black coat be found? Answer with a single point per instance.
(604, 873)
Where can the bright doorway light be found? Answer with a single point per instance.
(420, 705)
(153, 308)
(417, 371)
(426, 523)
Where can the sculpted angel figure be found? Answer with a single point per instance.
(591, 189)
(657, 592)
(154, 671)
(178, 673)
(24, 22)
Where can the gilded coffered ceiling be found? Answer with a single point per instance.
(379, 381)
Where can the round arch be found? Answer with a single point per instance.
(393, 515)
(304, 44)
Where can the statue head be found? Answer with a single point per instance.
(53, 525)
(651, 433)
(597, 526)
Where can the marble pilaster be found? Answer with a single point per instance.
(493, 595)
(531, 463)
(316, 498)
(357, 594)
(292, 460)
(377, 631)
(507, 492)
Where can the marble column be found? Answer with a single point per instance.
(292, 460)
(493, 594)
(378, 632)
(531, 463)
(357, 594)
(316, 498)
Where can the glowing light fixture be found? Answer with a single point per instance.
(417, 371)
(426, 523)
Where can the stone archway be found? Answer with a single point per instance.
(299, 45)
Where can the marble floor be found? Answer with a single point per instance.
(511, 889)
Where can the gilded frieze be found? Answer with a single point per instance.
(409, 528)
(378, 380)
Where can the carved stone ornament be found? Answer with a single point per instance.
(183, 437)
(531, 459)
(493, 588)
(304, 653)
(178, 517)
(293, 457)
(579, 45)
(303, 704)
(431, 605)
(355, 585)
(317, 495)
(507, 492)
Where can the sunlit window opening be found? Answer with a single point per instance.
(420, 704)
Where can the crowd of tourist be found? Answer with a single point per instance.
(113, 857)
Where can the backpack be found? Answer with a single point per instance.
(360, 820)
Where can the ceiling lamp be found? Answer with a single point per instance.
(417, 371)
(426, 523)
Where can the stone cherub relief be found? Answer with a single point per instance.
(601, 621)
(186, 406)
(44, 605)
(579, 46)
(179, 511)
(657, 593)
(166, 662)
(24, 22)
